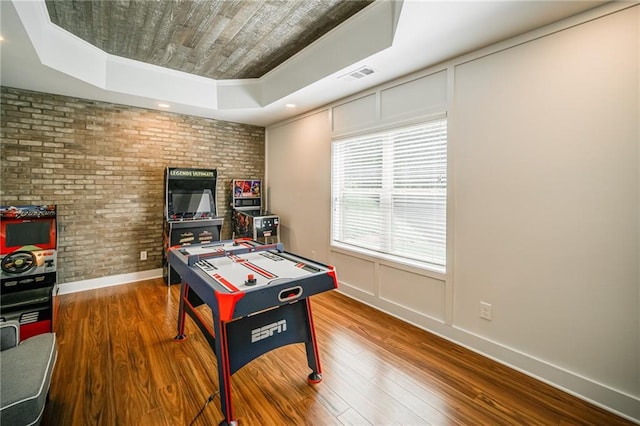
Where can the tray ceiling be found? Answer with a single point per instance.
(394, 38)
(215, 39)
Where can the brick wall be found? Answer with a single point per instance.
(103, 165)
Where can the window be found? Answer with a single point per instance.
(389, 192)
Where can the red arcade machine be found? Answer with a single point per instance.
(28, 244)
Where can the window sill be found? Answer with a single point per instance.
(421, 268)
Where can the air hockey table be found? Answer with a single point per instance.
(259, 298)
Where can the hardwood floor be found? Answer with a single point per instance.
(118, 364)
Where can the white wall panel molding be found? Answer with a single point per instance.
(543, 206)
(546, 215)
(356, 272)
(410, 291)
(356, 114)
(415, 98)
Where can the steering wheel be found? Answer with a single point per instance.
(18, 262)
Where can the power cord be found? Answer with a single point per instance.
(211, 397)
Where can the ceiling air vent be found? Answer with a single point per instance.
(357, 74)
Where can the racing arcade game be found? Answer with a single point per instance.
(28, 260)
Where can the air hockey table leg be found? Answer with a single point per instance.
(184, 290)
(221, 348)
(311, 346)
(314, 378)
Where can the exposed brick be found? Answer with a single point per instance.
(103, 165)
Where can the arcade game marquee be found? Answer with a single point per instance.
(259, 299)
(28, 260)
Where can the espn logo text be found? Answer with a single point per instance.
(268, 330)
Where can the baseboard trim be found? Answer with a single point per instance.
(615, 401)
(109, 281)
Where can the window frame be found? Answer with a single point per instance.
(391, 193)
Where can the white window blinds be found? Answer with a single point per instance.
(389, 192)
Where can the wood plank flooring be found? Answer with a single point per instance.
(118, 364)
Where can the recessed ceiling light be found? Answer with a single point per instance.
(163, 105)
(290, 105)
(1, 38)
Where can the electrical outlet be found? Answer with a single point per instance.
(485, 311)
(313, 254)
(143, 255)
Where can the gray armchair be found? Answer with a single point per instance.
(25, 374)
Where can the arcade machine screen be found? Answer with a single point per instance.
(192, 202)
(29, 233)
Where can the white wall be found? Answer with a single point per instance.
(298, 177)
(544, 204)
(546, 198)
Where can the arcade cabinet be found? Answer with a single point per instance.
(190, 212)
(248, 217)
(28, 261)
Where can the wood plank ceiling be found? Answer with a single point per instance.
(216, 39)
